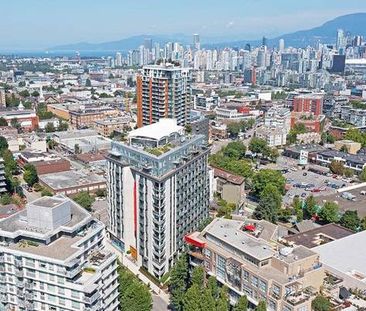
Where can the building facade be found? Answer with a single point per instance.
(244, 257)
(163, 91)
(310, 103)
(158, 190)
(56, 262)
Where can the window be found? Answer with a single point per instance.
(75, 305)
(254, 281)
(60, 280)
(43, 276)
(245, 275)
(51, 298)
(51, 288)
(61, 291)
(262, 286)
(220, 269)
(62, 301)
(303, 308)
(272, 305)
(75, 294)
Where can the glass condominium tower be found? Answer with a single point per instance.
(158, 191)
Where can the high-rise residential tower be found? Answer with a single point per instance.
(196, 41)
(163, 91)
(52, 258)
(158, 191)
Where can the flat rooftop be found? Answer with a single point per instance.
(70, 179)
(156, 131)
(316, 236)
(347, 255)
(231, 233)
(48, 202)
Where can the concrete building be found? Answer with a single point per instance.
(2, 98)
(354, 162)
(310, 103)
(26, 118)
(345, 258)
(246, 257)
(52, 257)
(106, 127)
(274, 137)
(163, 91)
(351, 146)
(278, 117)
(85, 117)
(229, 187)
(72, 182)
(158, 190)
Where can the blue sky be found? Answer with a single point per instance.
(29, 24)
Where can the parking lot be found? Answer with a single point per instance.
(358, 204)
(304, 183)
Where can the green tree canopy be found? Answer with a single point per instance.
(268, 176)
(261, 306)
(84, 199)
(350, 220)
(242, 304)
(337, 167)
(3, 122)
(235, 150)
(3, 144)
(191, 300)
(178, 282)
(198, 276)
(330, 212)
(320, 303)
(258, 145)
(30, 175)
(133, 295)
(269, 204)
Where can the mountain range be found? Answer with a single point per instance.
(326, 33)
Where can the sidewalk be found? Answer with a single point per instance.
(130, 265)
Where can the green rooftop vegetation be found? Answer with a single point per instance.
(26, 243)
(158, 151)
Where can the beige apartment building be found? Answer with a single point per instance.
(246, 258)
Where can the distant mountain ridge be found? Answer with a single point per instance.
(326, 33)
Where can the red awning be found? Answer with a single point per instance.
(194, 241)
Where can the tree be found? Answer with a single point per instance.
(268, 176)
(355, 135)
(46, 193)
(320, 303)
(235, 150)
(350, 220)
(242, 304)
(297, 205)
(363, 174)
(14, 123)
(24, 93)
(134, 295)
(348, 172)
(84, 199)
(88, 83)
(222, 303)
(5, 199)
(35, 93)
(269, 204)
(261, 306)
(337, 167)
(3, 122)
(257, 145)
(101, 193)
(212, 286)
(330, 212)
(207, 301)
(63, 126)
(30, 175)
(49, 128)
(198, 276)
(191, 300)
(3, 144)
(178, 282)
(310, 207)
(233, 129)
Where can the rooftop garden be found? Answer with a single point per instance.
(158, 151)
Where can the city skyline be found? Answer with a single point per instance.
(117, 20)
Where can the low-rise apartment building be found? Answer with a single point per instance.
(52, 257)
(85, 117)
(247, 259)
(106, 127)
